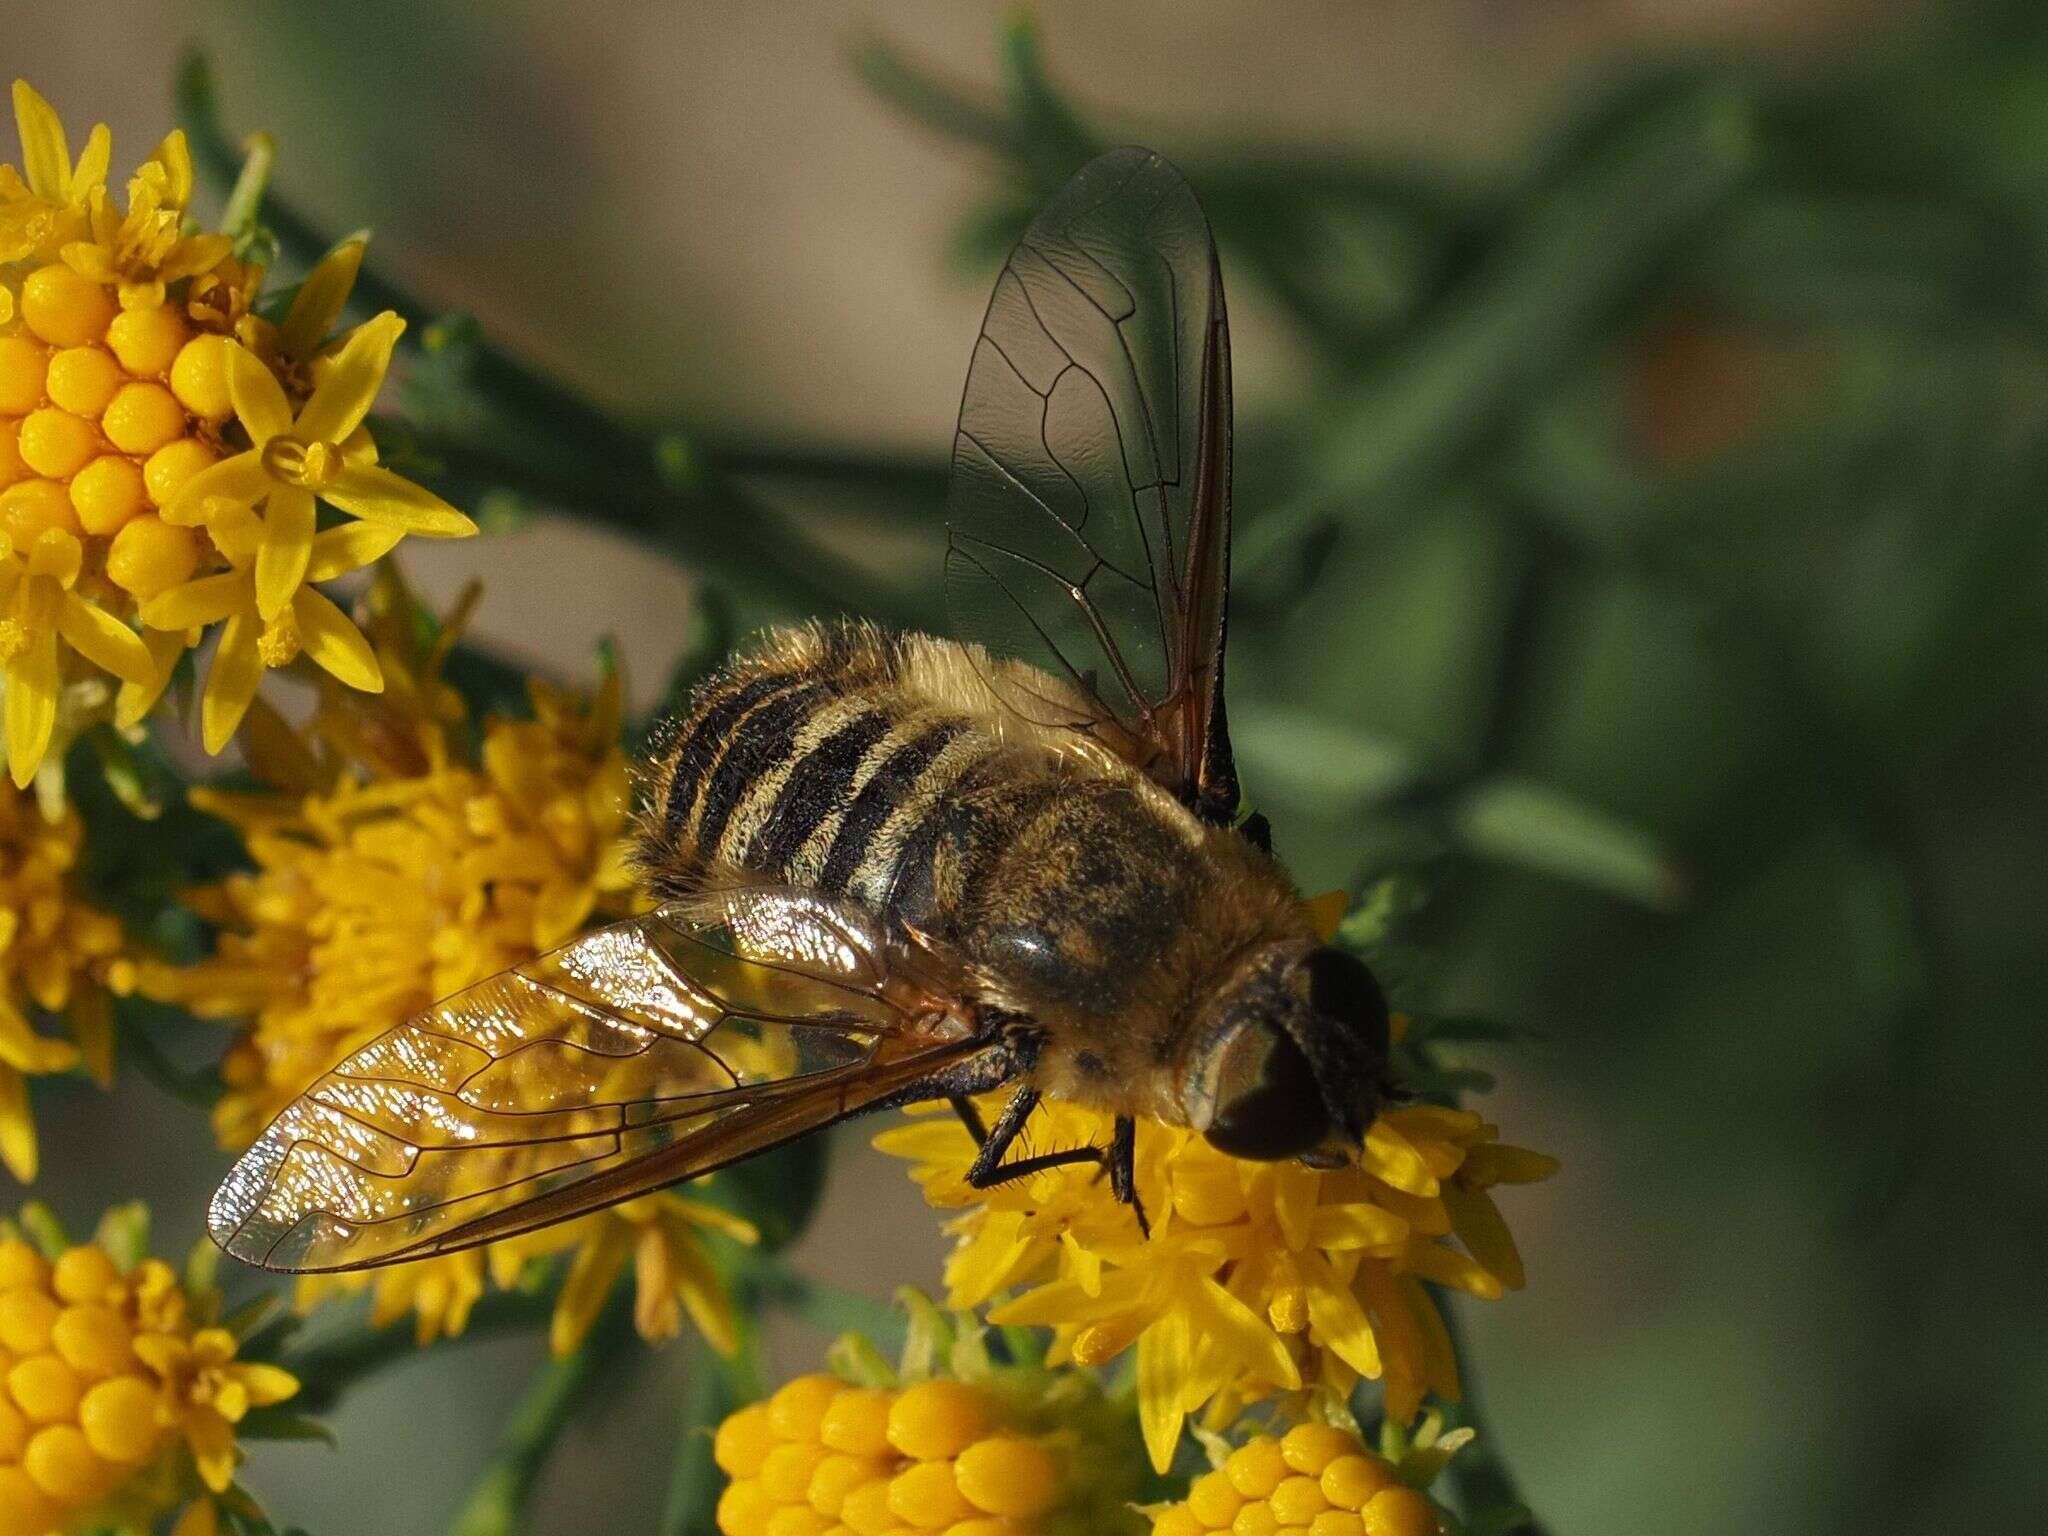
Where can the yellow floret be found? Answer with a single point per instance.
(743, 1442)
(934, 1420)
(1349, 1481)
(63, 1465)
(1297, 1500)
(106, 493)
(31, 508)
(24, 1506)
(786, 1471)
(11, 466)
(45, 1388)
(92, 1340)
(83, 379)
(837, 1476)
(23, 367)
(119, 1419)
(1399, 1512)
(1308, 1448)
(65, 308)
(927, 1495)
(199, 378)
(149, 556)
(857, 1422)
(27, 1314)
(743, 1510)
(147, 341)
(141, 418)
(1009, 1475)
(797, 1408)
(1214, 1501)
(1256, 1467)
(166, 471)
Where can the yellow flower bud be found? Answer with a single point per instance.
(172, 465)
(83, 379)
(147, 340)
(106, 493)
(149, 556)
(65, 308)
(141, 418)
(199, 378)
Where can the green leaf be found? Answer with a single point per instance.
(1522, 823)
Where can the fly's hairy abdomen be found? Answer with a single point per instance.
(878, 768)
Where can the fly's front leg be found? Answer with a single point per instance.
(1123, 1169)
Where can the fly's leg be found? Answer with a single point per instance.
(970, 1117)
(988, 1168)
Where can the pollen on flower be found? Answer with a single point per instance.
(1259, 1280)
(120, 1394)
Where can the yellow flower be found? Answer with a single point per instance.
(1259, 1279)
(295, 460)
(974, 1448)
(140, 252)
(38, 607)
(1317, 1477)
(308, 622)
(52, 206)
(56, 954)
(123, 1396)
(135, 367)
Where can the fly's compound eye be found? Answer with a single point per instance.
(1267, 1103)
(1341, 987)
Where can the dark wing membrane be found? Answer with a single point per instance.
(646, 1052)
(1089, 511)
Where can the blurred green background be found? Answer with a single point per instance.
(1643, 428)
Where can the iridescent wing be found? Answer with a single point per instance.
(647, 1052)
(1089, 511)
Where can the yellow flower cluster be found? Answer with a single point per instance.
(1316, 1479)
(1259, 1279)
(119, 1397)
(163, 450)
(406, 858)
(1019, 1453)
(57, 955)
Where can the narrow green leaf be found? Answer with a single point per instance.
(1522, 823)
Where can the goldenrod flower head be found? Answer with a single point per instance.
(122, 1395)
(953, 1443)
(57, 954)
(1319, 1478)
(163, 450)
(1259, 1279)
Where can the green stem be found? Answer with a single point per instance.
(497, 1505)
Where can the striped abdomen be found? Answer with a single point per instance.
(810, 762)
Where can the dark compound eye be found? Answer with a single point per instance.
(1268, 1104)
(1340, 986)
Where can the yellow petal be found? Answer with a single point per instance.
(1338, 1319)
(345, 394)
(44, 155)
(194, 254)
(89, 260)
(201, 1518)
(258, 397)
(714, 1219)
(266, 1384)
(336, 644)
(17, 1125)
(31, 706)
(377, 495)
(349, 548)
(589, 1282)
(136, 700)
(1234, 1324)
(205, 601)
(236, 481)
(103, 640)
(318, 303)
(287, 547)
(230, 682)
(703, 1295)
(1165, 1358)
(175, 156)
(91, 171)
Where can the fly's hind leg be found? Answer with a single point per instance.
(988, 1168)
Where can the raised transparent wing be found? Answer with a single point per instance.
(1089, 511)
(646, 1052)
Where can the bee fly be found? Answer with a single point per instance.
(896, 868)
